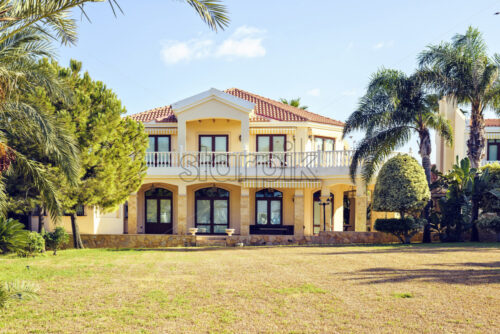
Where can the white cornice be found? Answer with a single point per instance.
(212, 93)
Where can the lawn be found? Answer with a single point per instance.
(376, 289)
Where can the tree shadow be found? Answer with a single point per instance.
(450, 276)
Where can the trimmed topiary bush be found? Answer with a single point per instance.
(404, 229)
(491, 223)
(56, 239)
(401, 186)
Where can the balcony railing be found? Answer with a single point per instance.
(316, 159)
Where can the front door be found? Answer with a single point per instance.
(212, 210)
(158, 211)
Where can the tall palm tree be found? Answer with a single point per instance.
(294, 103)
(22, 121)
(53, 17)
(395, 107)
(463, 69)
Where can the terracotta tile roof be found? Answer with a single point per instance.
(265, 110)
(492, 122)
(275, 110)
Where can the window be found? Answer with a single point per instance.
(157, 151)
(158, 210)
(212, 210)
(318, 212)
(271, 143)
(209, 144)
(79, 210)
(324, 144)
(493, 149)
(269, 207)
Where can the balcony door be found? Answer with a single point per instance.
(158, 151)
(209, 145)
(158, 211)
(271, 149)
(211, 210)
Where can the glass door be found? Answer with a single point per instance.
(158, 151)
(209, 145)
(158, 211)
(212, 210)
(275, 145)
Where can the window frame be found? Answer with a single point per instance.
(268, 206)
(155, 149)
(488, 144)
(271, 148)
(323, 138)
(158, 200)
(213, 158)
(211, 199)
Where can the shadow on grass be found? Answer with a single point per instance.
(449, 276)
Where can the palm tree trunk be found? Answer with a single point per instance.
(77, 239)
(477, 138)
(41, 222)
(425, 150)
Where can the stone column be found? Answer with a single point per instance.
(244, 212)
(132, 213)
(338, 210)
(361, 202)
(298, 201)
(181, 210)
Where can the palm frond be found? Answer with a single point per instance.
(212, 12)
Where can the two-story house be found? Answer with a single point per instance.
(224, 160)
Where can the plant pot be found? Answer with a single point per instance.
(229, 231)
(193, 230)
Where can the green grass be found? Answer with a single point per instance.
(419, 288)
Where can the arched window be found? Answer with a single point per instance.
(318, 212)
(212, 210)
(158, 211)
(269, 207)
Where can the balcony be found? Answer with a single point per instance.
(245, 164)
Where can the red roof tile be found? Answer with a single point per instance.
(264, 111)
(492, 122)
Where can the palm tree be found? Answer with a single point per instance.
(294, 103)
(22, 121)
(395, 107)
(53, 17)
(464, 70)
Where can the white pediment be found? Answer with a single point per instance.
(212, 95)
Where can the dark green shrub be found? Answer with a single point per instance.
(34, 246)
(491, 202)
(404, 229)
(401, 186)
(13, 236)
(491, 223)
(4, 296)
(54, 240)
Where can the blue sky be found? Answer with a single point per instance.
(159, 52)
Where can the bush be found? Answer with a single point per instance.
(17, 290)
(34, 246)
(490, 202)
(13, 236)
(404, 229)
(491, 223)
(4, 296)
(56, 239)
(401, 186)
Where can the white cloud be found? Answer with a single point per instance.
(245, 42)
(351, 92)
(314, 92)
(381, 45)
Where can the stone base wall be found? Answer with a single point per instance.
(324, 238)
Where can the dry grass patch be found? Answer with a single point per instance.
(376, 289)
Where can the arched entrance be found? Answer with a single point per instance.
(158, 211)
(211, 210)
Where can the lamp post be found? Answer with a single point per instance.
(324, 202)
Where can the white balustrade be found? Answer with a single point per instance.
(314, 159)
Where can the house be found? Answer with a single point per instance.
(446, 154)
(232, 159)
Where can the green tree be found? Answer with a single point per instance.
(490, 201)
(13, 236)
(294, 103)
(401, 187)
(463, 69)
(112, 148)
(395, 107)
